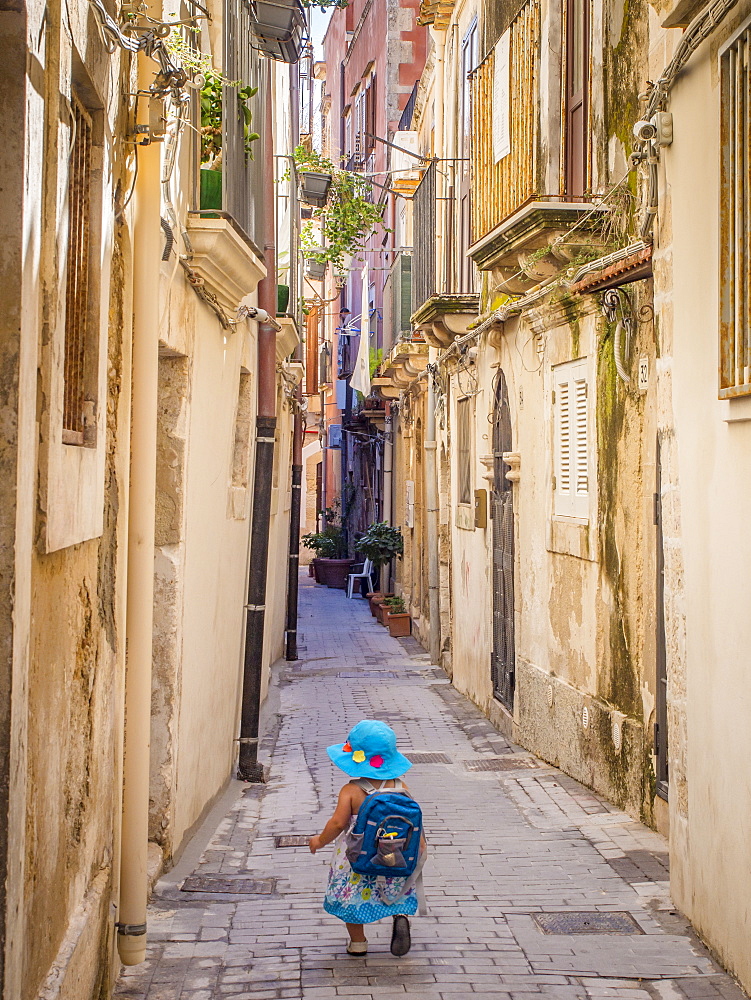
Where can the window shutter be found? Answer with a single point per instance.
(581, 426)
(571, 441)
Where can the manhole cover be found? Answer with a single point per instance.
(366, 673)
(214, 883)
(500, 764)
(428, 758)
(587, 923)
(292, 840)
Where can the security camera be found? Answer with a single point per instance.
(645, 131)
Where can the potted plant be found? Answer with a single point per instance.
(397, 618)
(345, 220)
(315, 269)
(331, 566)
(380, 543)
(376, 602)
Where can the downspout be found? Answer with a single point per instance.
(388, 474)
(248, 768)
(431, 483)
(293, 572)
(147, 252)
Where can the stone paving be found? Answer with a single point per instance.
(517, 848)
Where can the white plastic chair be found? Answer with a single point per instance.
(367, 569)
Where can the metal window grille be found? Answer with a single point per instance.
(735, 223)
(78, 275)
(424, 263)
(242, 171)
(464, 413)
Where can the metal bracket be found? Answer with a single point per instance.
(131, 930)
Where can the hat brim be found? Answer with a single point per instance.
(396, 765)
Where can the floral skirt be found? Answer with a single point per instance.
(356, 898)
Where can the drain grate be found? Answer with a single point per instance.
(500, 764)
(366, 673)
(587, 923)
(428, 758)
(239, 886)
(292, 840)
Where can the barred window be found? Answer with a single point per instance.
(735, 212)
(464, 421)
(77, 293)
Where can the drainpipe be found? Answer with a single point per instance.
(388, 472)
(431, 483)
(293, 572)
(248, 768)
(294, 531)
(147, 252)
(431, 497)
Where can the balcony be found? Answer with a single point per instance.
(512, 215)
(441, 308)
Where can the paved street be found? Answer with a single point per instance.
(519, 853)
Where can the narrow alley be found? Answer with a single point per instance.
(535, 885)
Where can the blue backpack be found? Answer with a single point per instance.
(385, 838)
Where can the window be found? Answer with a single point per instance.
(735, 222)
(76, 371)
(468, 64)
(571, 440)
(576, 83)
(464, 421)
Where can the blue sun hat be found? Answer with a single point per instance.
(370, 752)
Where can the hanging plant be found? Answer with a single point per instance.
(348, 220)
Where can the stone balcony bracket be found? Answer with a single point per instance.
(443, 318)
(229, 265)
(512, 250)
(287, 338)
(405, 362)
(512, 458)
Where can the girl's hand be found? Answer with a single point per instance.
(315, 844)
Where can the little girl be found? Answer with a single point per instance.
(370, 752)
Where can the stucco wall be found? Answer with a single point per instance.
(709, 571)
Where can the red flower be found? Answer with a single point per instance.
(376, 761)
(347, 748)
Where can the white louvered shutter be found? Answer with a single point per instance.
(571, 441)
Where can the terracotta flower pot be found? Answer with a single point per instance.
(372, 600)
(334, 572)
(381, 612)
(315, 574)
(400, 624)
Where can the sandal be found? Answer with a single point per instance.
(401, 941)
(357, 948)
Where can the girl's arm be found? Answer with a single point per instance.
(338, 822)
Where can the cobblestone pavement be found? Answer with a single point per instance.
(517, 849)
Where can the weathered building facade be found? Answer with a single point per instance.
(129, 388)
(571, 294)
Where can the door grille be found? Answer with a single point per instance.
(503, 653)
(77, 278)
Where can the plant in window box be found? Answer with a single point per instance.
(398, 620)
(211, 134)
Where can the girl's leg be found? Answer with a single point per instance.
(356, 932)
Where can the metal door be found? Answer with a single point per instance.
(503, 660)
